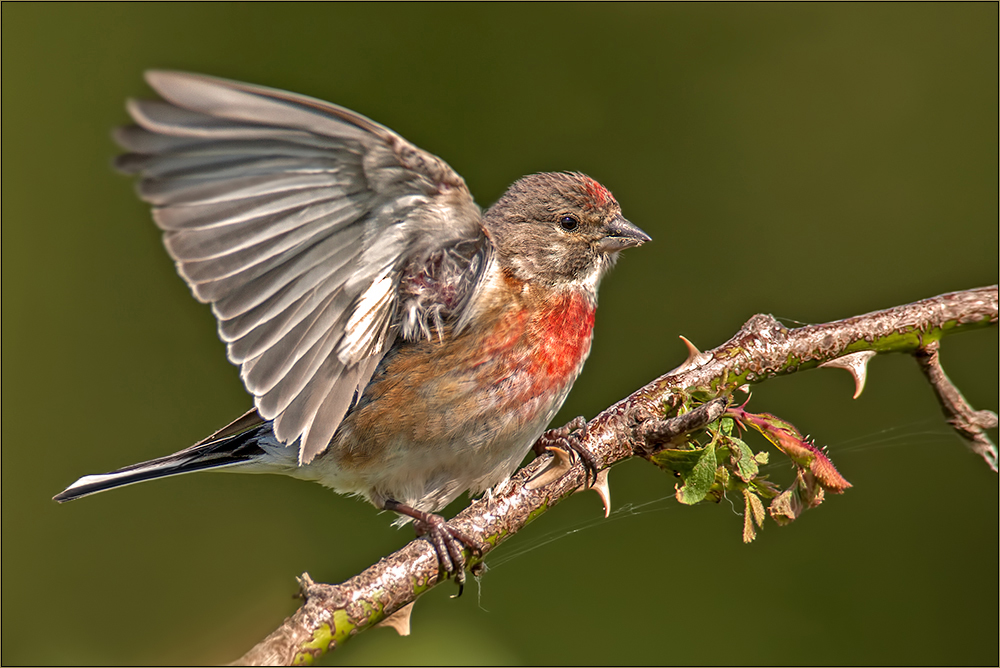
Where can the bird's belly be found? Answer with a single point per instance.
(442, 417)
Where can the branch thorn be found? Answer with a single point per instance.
(856, 364)
(399, 620)
(603, 490)
(692, 349)
(695, 357)
(561, 462)
(305, 584)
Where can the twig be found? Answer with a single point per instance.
(658, 432)
(763, 348)
(970, 424)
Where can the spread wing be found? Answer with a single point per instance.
(316, 234)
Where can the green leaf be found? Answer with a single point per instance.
(764, 488)
(681, 460)
(723, 481)
(699, 480)
(744, 460)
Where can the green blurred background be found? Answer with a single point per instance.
(811, 161)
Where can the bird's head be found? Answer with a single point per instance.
(559, 228)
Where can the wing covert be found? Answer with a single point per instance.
(298, 221)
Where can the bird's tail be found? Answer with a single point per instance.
(235, 446)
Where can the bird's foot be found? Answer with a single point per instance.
(448, 542)
(570, 437)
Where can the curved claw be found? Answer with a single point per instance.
(448, 542)
(570, 437)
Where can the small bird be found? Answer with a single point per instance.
(400, 344)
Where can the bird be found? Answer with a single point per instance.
(400, 344)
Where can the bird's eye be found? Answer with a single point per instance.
(569, 223)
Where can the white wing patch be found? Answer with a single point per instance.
(367, 319)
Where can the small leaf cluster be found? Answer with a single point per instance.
(725, 464)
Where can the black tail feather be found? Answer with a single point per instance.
(226, 452)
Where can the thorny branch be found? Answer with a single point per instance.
(762, 349)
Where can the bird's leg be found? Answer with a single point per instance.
(570, 437)
(448, 542)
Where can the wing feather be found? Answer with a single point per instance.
(290, 228)
(305, 226)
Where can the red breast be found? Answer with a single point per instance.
(506, 369)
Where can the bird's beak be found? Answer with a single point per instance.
(621, 234)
